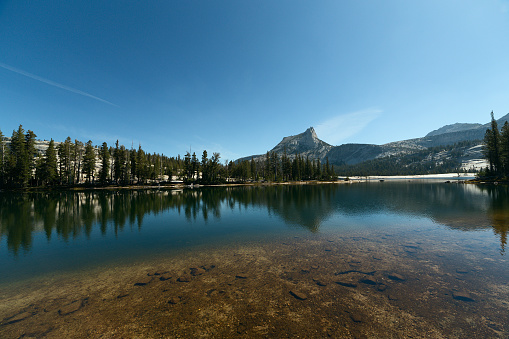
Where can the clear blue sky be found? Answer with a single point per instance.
(235, 77)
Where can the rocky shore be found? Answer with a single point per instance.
(321, 286)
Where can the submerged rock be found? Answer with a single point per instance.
(18, 317)
(143, 281)
(165, 276)
(356, 318)
(298, 295)
(320, 282)
(368, 281)
(462, 296)
(346, 283)
(197, 271)
(72, 307)
(174, 300)
(184, 278)
(397, 277)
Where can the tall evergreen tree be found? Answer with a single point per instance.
(214, 167)
(204, 166)
(18, 160)
(47, 172)
(89, 161)
(31, 154)
(141, 165)
(187, 167)
(65, 161)
(3, 156)
(504, 148)
(77, 154)
(104, 155)
(492, 147)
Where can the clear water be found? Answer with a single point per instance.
(45, 232)
(451, 238)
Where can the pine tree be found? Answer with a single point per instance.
(141, 165)
(492, 147)
(18, 160)
(31, 154)
(77, 154)
(504, 148)
(195, 166)
(89, 161)
(65, 161)
(187, 167)
(205, 177)
(214, 167)
(3, 153)
(104, 155)
(47, 170)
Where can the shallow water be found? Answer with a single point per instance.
(391, 259)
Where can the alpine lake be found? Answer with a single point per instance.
(393, 259)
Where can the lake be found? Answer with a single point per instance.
(380, 259)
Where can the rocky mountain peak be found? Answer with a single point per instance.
(311, 132)
(306, 143)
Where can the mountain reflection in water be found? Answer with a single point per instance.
(70, 214)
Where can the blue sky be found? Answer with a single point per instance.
(235, 77)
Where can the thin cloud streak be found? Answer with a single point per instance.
(344, 126)
(55, 84)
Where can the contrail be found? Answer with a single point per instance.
(55, 84)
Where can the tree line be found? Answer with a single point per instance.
(426, 161)
(71, 163)
(496, 150)
(272, 168)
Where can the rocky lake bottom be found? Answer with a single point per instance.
(357, 284)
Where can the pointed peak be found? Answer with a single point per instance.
(311, 131)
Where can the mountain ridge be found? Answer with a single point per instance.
(307, 144)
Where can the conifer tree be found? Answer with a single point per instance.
(141, 165)
(31, 154)
(205, 167)
(187, 167)
(18, 160)
(47, 172)
(504, 148)
(214, 167)
(195, 166)
(64, 157)
(492, 147)
(254, 172)
(104, 155)
(89, 161)
(77, 154)
(3, 151)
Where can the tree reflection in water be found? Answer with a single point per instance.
(71, 214)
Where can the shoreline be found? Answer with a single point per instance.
(180, 185)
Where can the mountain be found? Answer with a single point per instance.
(305, 144)
(460, 142)
(457, 127)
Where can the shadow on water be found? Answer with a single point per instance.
(70, 215)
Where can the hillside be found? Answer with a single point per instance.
(450, 147)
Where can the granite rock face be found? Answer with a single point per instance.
(307, 144)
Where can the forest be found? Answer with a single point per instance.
(432, 160)
(496, 151)
(74, 163)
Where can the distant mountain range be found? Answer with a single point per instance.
(468, 152)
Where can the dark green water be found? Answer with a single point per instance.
(46, 233)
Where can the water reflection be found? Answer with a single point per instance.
(75, 214)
